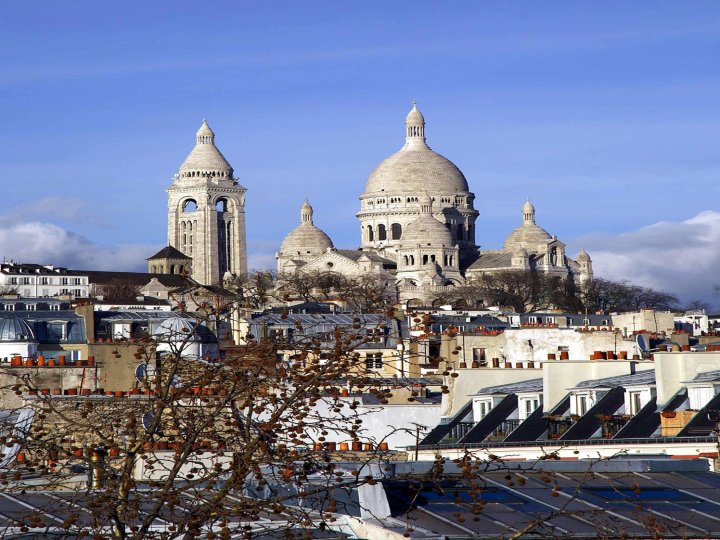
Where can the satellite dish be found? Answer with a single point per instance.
(643, 342)
(144, 371)
(148, 419)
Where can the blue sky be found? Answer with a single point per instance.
(604, 113)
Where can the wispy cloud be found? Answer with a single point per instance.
(680, 257)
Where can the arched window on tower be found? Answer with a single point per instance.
(370, 234)
(382, 233)
(425, 259)
(221, 205)
(460, 231)
(396, 230)
(189, 206)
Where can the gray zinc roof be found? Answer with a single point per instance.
(532, 385)
(635, 379)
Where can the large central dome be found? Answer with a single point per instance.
(416, 168)
(391, 200)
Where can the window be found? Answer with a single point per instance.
(549, 320)
(64, 281)
(78, 292)
(64, 291)
(46, 292)
(479, 354)
(32, 307)
(54, 307)
(25, 281)
(532, 319)
(483, 407)
(635, 402)
(44, 281)
(13, 281)
(529, 405)
(78, 281)
(382, 233)
(582, 404)
(374, 361)
(9, 307)
(396, 230)
(56, 331)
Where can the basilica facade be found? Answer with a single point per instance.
(417, 230)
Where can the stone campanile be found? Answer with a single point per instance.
(206, 213)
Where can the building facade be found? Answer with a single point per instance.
(42, 281)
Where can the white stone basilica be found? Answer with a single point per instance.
(417, 226)
(417, 223)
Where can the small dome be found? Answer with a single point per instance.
(15, 329)
(583, 256)
(306, 239)
(528, 236)
(426, 230)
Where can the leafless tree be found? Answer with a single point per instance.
(119, 289)
(606, 296)
(189, 443)
(521, 290)
(254, 290)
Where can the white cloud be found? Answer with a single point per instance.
(678, 257)
(46, 243)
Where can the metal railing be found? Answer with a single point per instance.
(581, 442)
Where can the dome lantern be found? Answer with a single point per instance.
(306, 213)
(414, 126)
(528, 212)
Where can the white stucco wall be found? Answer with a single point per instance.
(561, 375)
(394, 424)
(645, 319)
(674, 368)
(548, 340)
(470, 380)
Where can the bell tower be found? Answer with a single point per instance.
(206, 212)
